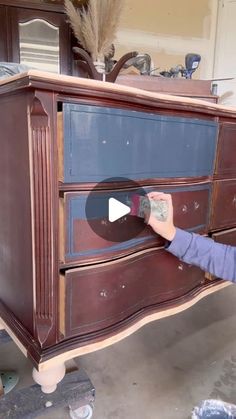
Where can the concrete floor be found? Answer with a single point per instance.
(164, 369)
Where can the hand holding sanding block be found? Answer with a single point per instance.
(140, 205)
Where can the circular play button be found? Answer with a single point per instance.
(115, 209)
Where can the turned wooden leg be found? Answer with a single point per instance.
(49, 378)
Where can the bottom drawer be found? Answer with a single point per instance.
(94, 298)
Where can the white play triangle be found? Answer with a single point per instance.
(117, 209)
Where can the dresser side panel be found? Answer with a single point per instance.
(16, 271)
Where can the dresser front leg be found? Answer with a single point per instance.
(49, 378)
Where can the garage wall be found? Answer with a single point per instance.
(168, 30)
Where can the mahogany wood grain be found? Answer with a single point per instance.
(44, 217)
(16, 267)
(175, 86)
(70, 348)
(226, 237)
(223, 211)
(55, 312)
(28, 209)
(114, 291)
(226, 152)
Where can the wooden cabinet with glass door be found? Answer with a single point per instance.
(36, 33)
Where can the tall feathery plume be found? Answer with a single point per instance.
(95, 26)
(90, 28)
(76, 22)
(111, 13)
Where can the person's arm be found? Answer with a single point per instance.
(218, 259)
(215, 258)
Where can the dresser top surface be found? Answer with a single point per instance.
(70, 85)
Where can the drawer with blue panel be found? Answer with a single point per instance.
(98, 142)
(113, 294)
(87, 237)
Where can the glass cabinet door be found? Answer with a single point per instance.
(41, 40)
(39, 45)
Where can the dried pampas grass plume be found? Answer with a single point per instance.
(96, 25)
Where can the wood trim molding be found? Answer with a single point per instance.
(120, 95)
(66, 350)
(170, 311)
(42, 193)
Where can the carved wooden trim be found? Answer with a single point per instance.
(42, 197)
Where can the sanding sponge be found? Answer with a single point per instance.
(141, 205)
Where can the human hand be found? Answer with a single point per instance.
(166, 228)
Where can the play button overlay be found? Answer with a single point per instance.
(117, 210)
(112, 209)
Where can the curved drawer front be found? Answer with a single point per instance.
(226, 153)
(80, 244)
(102, 142)
(224, 204)
(97, 297)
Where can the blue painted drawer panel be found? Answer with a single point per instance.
(102, 142)
(81, 244)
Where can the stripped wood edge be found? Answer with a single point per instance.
(4, 326)
(73, 353)
(111, 87)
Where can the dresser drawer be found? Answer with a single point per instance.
(224, 204)
(226, 152)
(79, 243)
(97, 143)
(226, 237)
(94, 298)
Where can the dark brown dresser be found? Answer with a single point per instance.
(64, 290)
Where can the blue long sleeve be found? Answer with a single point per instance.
(215, 258)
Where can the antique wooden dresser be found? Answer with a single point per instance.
(65, 291)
